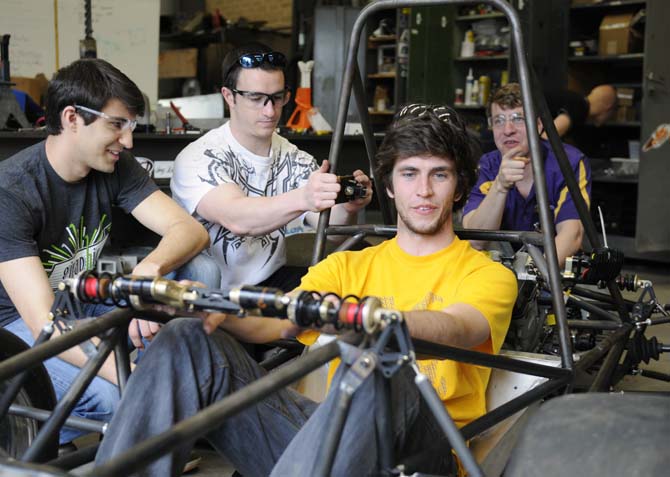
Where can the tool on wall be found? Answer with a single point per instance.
(87, 46)
(9, 106)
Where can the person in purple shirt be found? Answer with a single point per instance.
(504, 196)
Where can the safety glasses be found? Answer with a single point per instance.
(259, 100)
(118, 122)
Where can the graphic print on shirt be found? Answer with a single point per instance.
(225, 167)
(78, 254)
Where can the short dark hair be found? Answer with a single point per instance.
(89, 82)
(507, 97)
(230, 68)
(438, 131)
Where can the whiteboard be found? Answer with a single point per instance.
(46, 34)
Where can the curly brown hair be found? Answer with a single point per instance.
(421, 129)
(507, 97)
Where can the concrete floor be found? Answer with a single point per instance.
(213, 465)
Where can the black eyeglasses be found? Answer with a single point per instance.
(259, 100)
(417, 110)
(254, 60)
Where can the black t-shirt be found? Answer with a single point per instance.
(569, 102)
(65, 224)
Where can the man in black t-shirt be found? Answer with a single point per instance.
(56, 199)
(571, 110)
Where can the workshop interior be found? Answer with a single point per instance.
(571, 95)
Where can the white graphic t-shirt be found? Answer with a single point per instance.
(217, 158)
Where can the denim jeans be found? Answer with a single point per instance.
(201, 268)
(185, 370)
(100, 398)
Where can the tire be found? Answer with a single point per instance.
(17, 433)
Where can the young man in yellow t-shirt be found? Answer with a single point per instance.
(449, 293)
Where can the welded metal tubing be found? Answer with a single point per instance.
(433, 350)
(502, 412)
(146, 452)
(384, 417)
(122, 359)
(447, 425)
(76, 458)
(593, 295)
(370, 145)
(591, 308)
(32, 357)
(41, 415)
(594, 325)
(279, 358)
(69, 400)
(350, 242)
(371, 149)
(532, 238)
(603, 378)
(323, 464)
(589, 358)
(16, 384)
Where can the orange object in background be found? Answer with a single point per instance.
(299, 121)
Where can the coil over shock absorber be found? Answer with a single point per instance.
(306, 309)
(631, 282)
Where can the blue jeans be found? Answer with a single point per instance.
(99, 400)
(185, 370)
(201, 268)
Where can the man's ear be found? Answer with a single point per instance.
(389, 192)
(68, 118)
(228, 97)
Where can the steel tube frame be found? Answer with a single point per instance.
(506, 410)
(16, 384)
(433, 350)
(69, 400)
(72, 421)
(591, 308)
(594, 324)
(589, 358)
(34, 356)
(122, 359)
(532, 238)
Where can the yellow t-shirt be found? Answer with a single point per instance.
(456, 274)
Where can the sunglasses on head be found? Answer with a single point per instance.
(417, 110)
(254, 60)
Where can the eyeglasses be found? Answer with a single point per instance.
(500, 120)
(118, 122)
(417, 110)
(254, 60)
(259, 100)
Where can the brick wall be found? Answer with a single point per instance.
(277, 13)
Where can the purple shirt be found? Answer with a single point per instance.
(521, 214)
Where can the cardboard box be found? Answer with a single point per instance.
(616, 36)
(178, 63)
(35, 87)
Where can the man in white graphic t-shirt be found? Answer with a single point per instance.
(248, 185)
